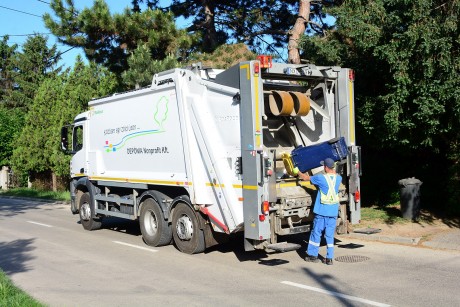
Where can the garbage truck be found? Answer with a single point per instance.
(203, 154)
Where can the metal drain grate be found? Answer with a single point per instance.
(351, 258)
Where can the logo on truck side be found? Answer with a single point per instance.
(127, 131)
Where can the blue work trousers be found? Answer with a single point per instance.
(320, 224)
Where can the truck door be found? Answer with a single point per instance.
(77, 166)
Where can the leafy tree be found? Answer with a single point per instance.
(225, 56)
(57, 101)
(142, 67)
(31, 66)
(84, 82)
(7, 54)
(11, 121)
(109, 39)
(413, 83)
(20, 75)
(150, 4)
(264, 25)
(406, 56)
(30, 154)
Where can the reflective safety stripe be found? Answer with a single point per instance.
(330, 245)
(331, 198)
(313, 243)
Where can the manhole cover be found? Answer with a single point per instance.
(351, 258)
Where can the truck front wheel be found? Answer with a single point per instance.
(188, 236)
(86, 219)
(154, 228)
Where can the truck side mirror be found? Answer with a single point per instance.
(65, 140)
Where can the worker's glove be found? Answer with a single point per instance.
(289, 165)
(295, 171)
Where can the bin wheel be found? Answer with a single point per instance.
(342, 225)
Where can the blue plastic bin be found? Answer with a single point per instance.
(309, 157)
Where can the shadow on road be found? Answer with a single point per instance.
(15, 254)
(235, 244)
(121, 225)
(11, 207)
(349, 245)
(328, 282)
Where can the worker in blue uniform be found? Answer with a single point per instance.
(326, 210)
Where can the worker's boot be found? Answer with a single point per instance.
(328, 261)
(311, 258)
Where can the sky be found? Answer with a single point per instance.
(18, 18)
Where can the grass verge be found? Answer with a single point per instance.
(390, 214)
(12, 296)
(26, 192)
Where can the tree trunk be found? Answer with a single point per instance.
(297, 31)
(54, 181)
(210, 36)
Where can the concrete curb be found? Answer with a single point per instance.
(42, 200)
(383, 238)
(441, 245)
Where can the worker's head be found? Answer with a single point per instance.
(328, 162)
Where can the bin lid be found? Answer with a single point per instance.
(409, 181)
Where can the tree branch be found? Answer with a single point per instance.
(263, 32)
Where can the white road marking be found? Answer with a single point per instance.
(39, 224)
(337, 294)
(136, 246)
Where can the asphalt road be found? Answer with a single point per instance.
(46, 252)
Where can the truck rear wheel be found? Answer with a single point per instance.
(86, 216)
(154, 228)
(188, 236)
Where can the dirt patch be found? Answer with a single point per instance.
(425, 228)
(410, 230)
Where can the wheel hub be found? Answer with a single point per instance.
(151, 223)
(85, 212)
(184, 228)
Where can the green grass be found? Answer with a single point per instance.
(25, 192)
(390, 214)
(12, 296)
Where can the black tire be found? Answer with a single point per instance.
(86, 214)
(188, 236)
(154, 228)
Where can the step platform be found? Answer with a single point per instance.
(367, 231)
(283, 247)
